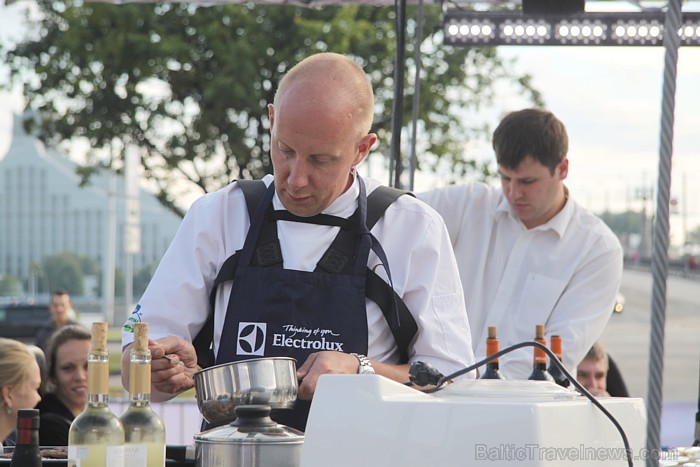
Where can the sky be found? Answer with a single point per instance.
(609, 98)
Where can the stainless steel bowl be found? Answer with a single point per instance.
(261, 381)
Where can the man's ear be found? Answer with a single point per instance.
(564, 168)
(271, 113)
(364, 146)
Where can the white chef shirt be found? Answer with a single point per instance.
(413, 236)
(564, 274)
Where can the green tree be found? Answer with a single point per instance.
(9, 286)
(63, 271)
(89, 266)
(119, 283)
(190, 85)
(627, 222)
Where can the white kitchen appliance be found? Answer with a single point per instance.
(368, 420)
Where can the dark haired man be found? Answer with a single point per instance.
(528, 253)
(62, 313)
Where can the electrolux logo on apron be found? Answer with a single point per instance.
(252, 336)
(303, 338)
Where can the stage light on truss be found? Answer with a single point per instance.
(471, 28)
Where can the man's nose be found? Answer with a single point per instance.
(513, 190)
(298, 174)
(586, 383)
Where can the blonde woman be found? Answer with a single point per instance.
(20, 379)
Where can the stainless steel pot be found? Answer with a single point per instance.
(253, 439)
(268, 381)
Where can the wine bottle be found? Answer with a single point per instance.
(96, 436)
(143, 429)
(26, 453)
(492, 371)
(539, 364)
(558, 375)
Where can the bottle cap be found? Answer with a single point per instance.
(539, 331)
(141, 337)
(99, 336)
(28, 419)
(555, 345)
(492, 332)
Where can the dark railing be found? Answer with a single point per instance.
(676, 268)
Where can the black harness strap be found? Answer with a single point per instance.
(376, 288)
(253, 191)
(379, 292)
(336, 260)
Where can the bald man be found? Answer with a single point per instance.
(306, 258)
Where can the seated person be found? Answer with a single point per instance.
(67, 373)
(20, 379)
(599, 374)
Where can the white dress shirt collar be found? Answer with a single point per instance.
(558, 223)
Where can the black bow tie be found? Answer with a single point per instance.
(318, 219)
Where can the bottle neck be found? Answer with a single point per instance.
(140, 400)
(140, 378)
(539, 356)
(27, 436)
(491, 347)
(98, 379)
(98, 400)
(556, 346)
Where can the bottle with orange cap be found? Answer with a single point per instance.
(492, 371)
(539, 364)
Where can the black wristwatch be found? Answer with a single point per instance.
(365, 367)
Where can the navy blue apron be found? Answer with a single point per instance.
(281, 312)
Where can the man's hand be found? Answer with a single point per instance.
(321, 363)
(331, 362)
(174, 362)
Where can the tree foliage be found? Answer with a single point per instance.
(64, 271)
(190, 84)
(10, 286)
(623, 223)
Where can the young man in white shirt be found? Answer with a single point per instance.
(527, 253)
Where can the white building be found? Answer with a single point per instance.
(44, 211)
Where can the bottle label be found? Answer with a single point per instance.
(93, 455)
(76, 454)
(135, 455)
(115, 456)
